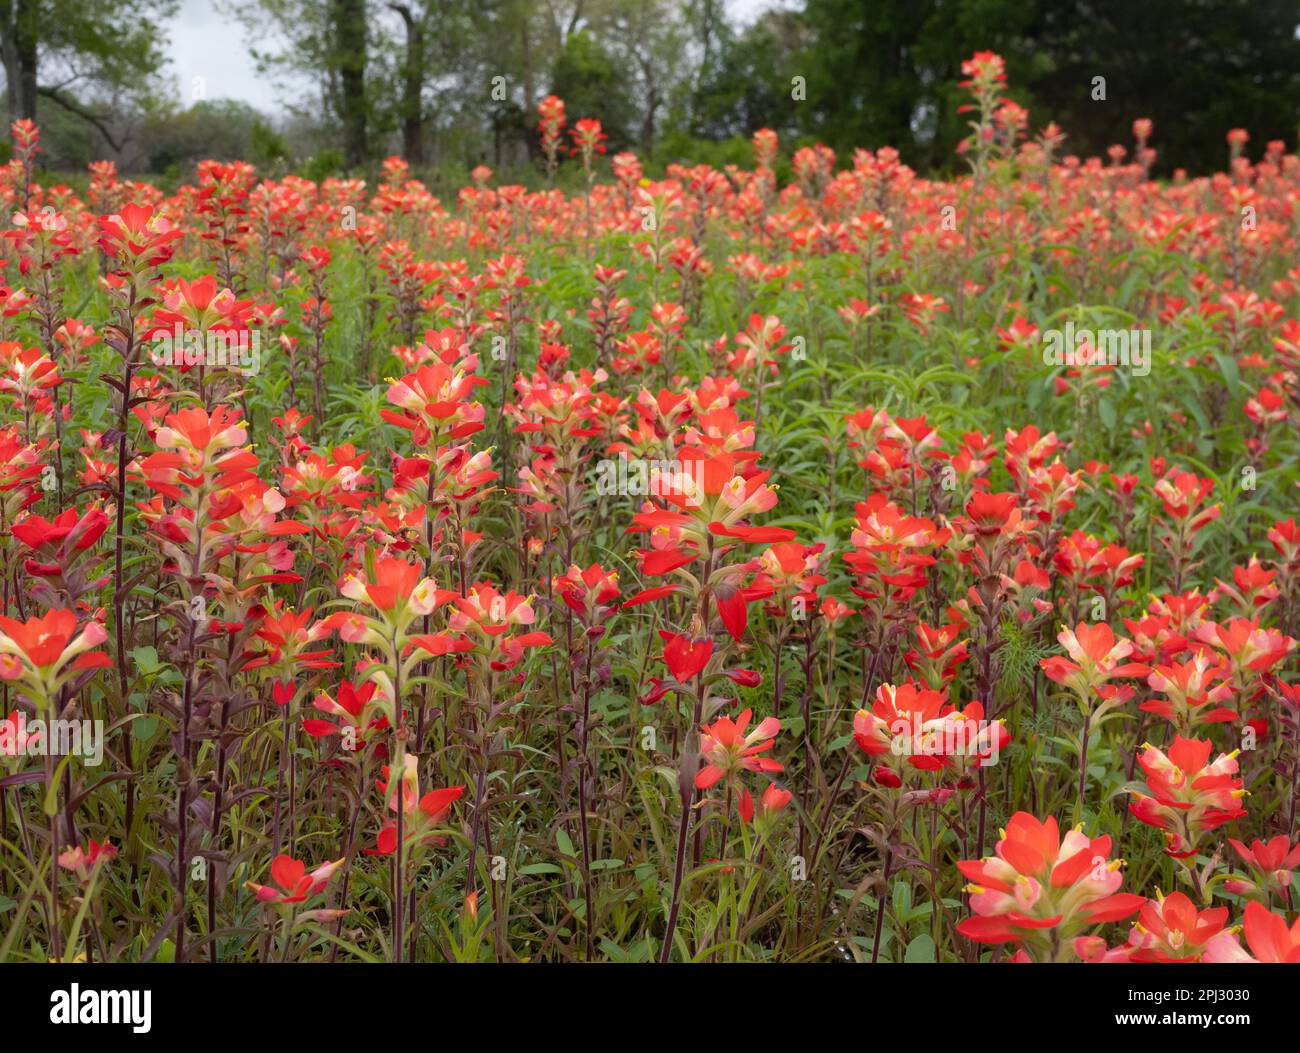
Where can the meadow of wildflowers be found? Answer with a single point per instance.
(702, 569)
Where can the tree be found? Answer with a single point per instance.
(1196, 67)
(90, 57)
(648, 42)
(887, 71)
(327, 41)
(586, 78)
(221, 130)
(750, 84)
(432, 69)
(348, 50)
(411, 106)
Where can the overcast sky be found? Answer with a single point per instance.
(209, 54)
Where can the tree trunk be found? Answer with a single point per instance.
(648, 123)
(350, 48)
(412, 87)
(28, 17)
(526, 52)
(18, 34)
(9, 56)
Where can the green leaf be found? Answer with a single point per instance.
(1106, 410)
(541, 868)
(920, 950)
(146, 660)
(144, 729)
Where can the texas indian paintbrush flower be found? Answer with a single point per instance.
(1187, 795)
(1042, 893)
(1270, 939)
(43, 654)
(727, 750)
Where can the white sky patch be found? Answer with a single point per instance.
(209, 54)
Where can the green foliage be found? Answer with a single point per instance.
(92, 59)
(458, 82)
(323, 165)
(585, 77)
(220, 130)
(887, 73)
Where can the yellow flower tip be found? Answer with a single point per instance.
(1078, 829)
(1002, 834)
(1234, 754)
(975, 889)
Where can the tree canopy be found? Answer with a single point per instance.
(458, 81)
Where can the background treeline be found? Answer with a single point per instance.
(450, 84)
